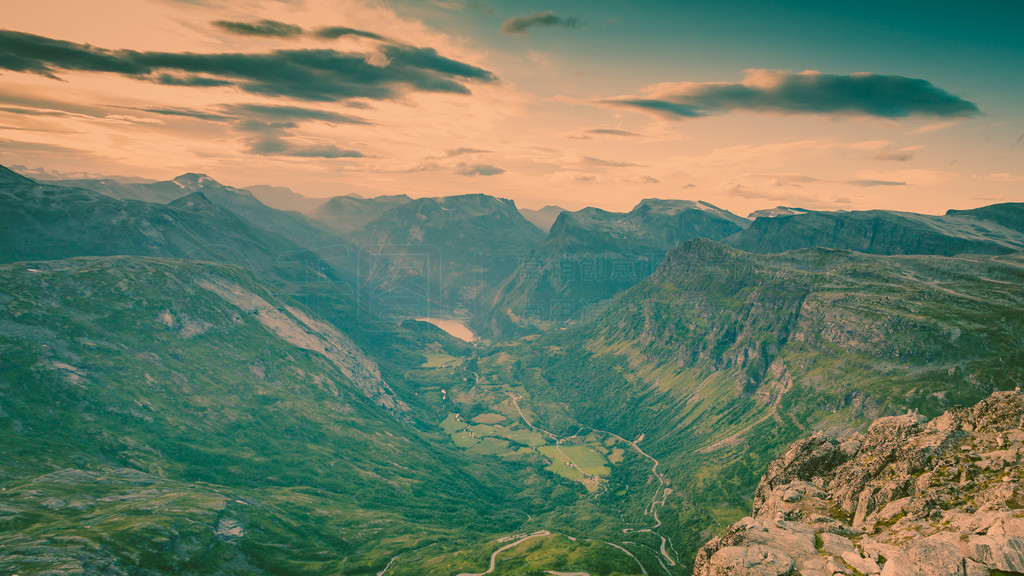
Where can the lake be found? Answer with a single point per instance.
(456, 328)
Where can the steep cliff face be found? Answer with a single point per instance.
(944, 497)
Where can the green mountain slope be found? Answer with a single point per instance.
(1009, 214)
(722, 357)
(590, 255)
(996, 230)
(160, 416)
(42, 222)
(441, 255)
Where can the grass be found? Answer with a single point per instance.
(587, 459)
(489, 418)
(451, 424)
(440, 359)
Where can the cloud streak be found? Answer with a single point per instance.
(335, 32)
(270, 130)
(808, 92)
(522, 24)
(463, 169)
(460, 151)
(276, 29)
(312, 75)
(872, 183)
(265, 28)
(272, 139)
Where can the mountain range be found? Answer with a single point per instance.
(208, 384)
(590, 255)
(993, 229)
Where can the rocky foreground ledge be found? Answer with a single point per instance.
(908, 497)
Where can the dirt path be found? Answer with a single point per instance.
(494, 556)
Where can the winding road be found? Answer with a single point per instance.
(660, 495)
(494, 556)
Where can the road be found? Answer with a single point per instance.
(494, 556)
(660, 495)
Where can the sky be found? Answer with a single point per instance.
(748, 105)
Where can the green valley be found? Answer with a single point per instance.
(208, 395)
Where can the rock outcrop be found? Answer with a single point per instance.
(907, 497)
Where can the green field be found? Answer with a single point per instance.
(489, 418)
(452, 424)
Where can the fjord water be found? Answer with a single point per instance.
(456, 328)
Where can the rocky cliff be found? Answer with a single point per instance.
(907, 497)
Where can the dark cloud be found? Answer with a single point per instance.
(522, 24)
(312, 75)
(333, 32)
(275, 29)
(190, 80)
(868, 183)
(270, 130)
(293, 113)
(272, 139)
(267, 28)
(32, 111)
(20, 52)
(805, 93)
(661, 107)
(277, 147)
(411, 59)
(186, 113)
(460, 151)
(464, 169)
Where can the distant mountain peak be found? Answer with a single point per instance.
(194, 181)
(662, 204)
(9, 176)
(777, 211)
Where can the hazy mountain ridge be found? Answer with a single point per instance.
(907, 497)
(290, 224)
(543, 218)
(53, 222)
(282, 198)
(591, 254)
(437, 255)
(889, 232)
(345, 214)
